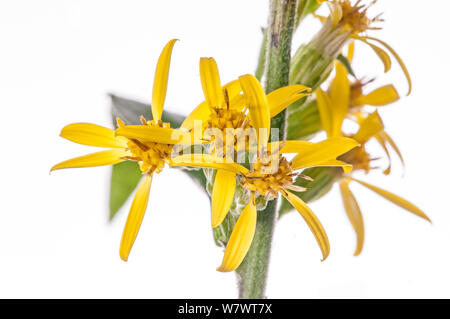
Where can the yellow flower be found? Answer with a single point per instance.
(270, 175)
(333, 108)
(152, 150)
(351, 19)
(226, 108)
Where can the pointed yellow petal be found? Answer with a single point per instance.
(209, 75)
(222, 195)
(399, 60)
(369, 127)
(395, 199)
(384, 57)
(312, 221)
(336, 163)
(391, 142)
(340, 98)
(240, 239)
(135, 217)
(382, 96)
(292, 146)
(102, 158)
(380, 139)
(93, 135)
(153, 134)
(283, 97)
(208, 161)
(258, 107)
(202, 111)
(325, 111)
(160, 81)
(323, 151)
(354, 214)
(351, 51)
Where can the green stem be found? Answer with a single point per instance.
(253, 270)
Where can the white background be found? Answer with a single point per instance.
(58, 61)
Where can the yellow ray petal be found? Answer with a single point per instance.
(135, 217)
(354, 214)
(292, 146)
(209, 75)
(391, 142)
(312, 221)
(208, 161)
(222, 195)
(323, 151)
(380, 139)
(399, 60)
(325, 111)
(340, 98)
(153, 134)
(258, 107)
(160, 81)
(382, 96)
(384, 57)
(336, 163)
(102, 158)
(283, 97)
(240, 239)
(202, 111)
(369, 127)
(351, 51)
(93, 135)
(395, 199)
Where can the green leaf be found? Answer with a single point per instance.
(129, 112)
(126, 175)
(124, 179)
(341, 58)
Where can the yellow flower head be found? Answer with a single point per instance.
(270, 175)
(352, 19)
(149, 144)
(334, 107)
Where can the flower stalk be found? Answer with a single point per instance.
(252, 272)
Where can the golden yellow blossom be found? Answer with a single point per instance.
(270, 175)
(149, 144)
(333, 108)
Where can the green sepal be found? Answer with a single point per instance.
(343, 59)
(324, 178)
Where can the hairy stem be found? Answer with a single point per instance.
(252, 272)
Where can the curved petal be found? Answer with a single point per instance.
(240, 239)
(92, 135)
(336, 163)
(160, 81)
(153, 134)
(395, 199)
(208, 161)
(353, 213)
(399, 60)
(222, 196)
(369, 127)
(283, 97)
(258, 107)
(312, 221)
(340, 98)
(135, 217)
(323, 151)
(102, 158)
(209, 75)
(382, 96)
(202, 111)
(325, 112)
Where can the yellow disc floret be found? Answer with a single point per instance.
(150, 156)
